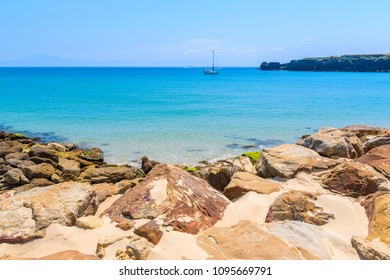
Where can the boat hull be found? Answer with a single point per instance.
(210, 72)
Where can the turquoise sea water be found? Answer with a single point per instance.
(179, 115)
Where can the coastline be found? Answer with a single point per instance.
(333, 177)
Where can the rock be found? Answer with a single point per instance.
(220, 174)
(38, 160)
(39, 151)
(370, 250)
(333, 143)
(42, 170)
(147, 164)
(89, 222)
(377, 207)
(245, 241)
(375, 142)
(56, 147)
(151, 231)
(18, 156)
(110, 174)
(243, 182)
(69, 255)
(106, 241)
(8, 147)
(94, 155)
(70, 169)
(353, 179)
(25, 216)
(180, 200)
(297, 206)
(312, 241)
(34, 183)
(138, 249)
(287, 160)
(104, 190)
(379, 159)
(14, 177)
(365, 132)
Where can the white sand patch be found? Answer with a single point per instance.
(350, 217)
(159, 191)
(176, 245)
(106, 204)
(251, 206)
(61, 238)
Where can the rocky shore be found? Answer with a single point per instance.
(325, 197)
(344, 63)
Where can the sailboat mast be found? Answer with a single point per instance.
(213, 60)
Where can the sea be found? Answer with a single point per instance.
(180, 115)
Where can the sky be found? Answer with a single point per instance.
(184, 32)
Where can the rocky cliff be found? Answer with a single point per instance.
(345, 63)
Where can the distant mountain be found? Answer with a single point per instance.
(344, 63)
(42, 60)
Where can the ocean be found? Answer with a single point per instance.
(180, 115)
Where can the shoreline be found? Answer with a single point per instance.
(324, 197)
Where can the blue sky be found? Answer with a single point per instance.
(183, 33)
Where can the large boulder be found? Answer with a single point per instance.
(220, 174)
(378, 211)
(70, 169)
(42, 170)
(243, 182)
(297, 206)
(173, 196)
(42, 152)
(379, 158)
(15, 177)
(333, 143)
(25, 216)
(8, 147)
(354, 179)
(312, 241)
(288, 159)
(246, 241)
(366, 132)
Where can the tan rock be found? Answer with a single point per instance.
(70, 169)
(287, 160)
(365, 132)
(89, 222)
(378, 211)
(246, 241)
(109, 174)
(353, 179)
(297, 206)
(333, 143)
(218, 175)
(138, 249)
(371, 250)
(180, 200)
(25, 216)
(8, 147)
(106, 241)
(42, 170)
(243, 182)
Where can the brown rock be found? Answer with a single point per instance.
(39, 151)
(56, 147)
(25, 216)
(353, 179)
(243, 182)
(147, 164)
(110, 174)
(246, 241)
(220, 174)
(14, 177)
(8, 147)
(287, 160)
(375, 142)
(377, 208)
(297, 206)
(370, 250)
(333, 143)
(70, 169)
(69, 255)
(104, 190)
(42, 170)
(151, 231)
(94, 155)
(182, 201)
(34, 183)
(379, 158)
(365, 132)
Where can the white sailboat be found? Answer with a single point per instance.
(211, 71)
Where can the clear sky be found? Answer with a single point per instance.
(183, 32)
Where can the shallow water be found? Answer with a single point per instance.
(179, 115)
